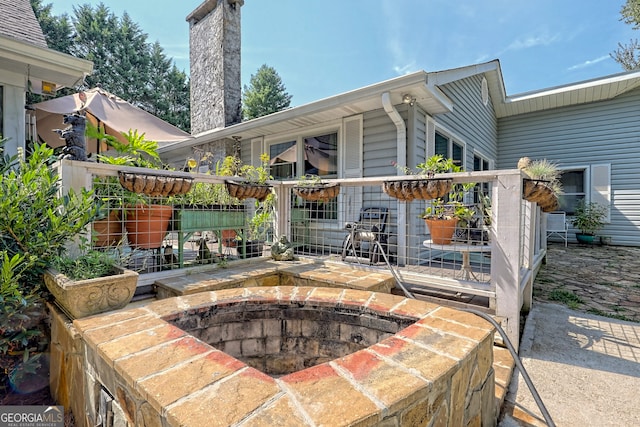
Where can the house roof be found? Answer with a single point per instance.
(24, 51)
(18, 21)
(42, 63)
(425, 87)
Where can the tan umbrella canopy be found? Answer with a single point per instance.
(111, 114)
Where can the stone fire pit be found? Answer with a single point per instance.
(290, 356)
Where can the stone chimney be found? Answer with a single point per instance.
(214, 46)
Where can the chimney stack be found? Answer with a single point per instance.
(214, 52)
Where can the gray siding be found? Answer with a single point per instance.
(379, 143)
(470, 119)
(603, 132)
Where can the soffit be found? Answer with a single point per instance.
(42, 63)
(327, 110)
(563, 96)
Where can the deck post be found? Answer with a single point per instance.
(506, 235)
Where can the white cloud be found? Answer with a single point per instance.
(532, 41)
(588, 63)
(402, 60)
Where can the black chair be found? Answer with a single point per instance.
(367, 237)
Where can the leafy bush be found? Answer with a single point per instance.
(35, 220)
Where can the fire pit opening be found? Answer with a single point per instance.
(280, 339)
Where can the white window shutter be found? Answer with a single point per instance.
(601, 186)
(352, 147)
(350, 198)
(256, 150)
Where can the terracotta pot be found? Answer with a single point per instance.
(229, 238)
(147, 225)
(441, 230)
(108, 231)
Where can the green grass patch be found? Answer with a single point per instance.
(568, 298)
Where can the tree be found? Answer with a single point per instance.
(124, 62)
(265, 94)
(628, 55)
(58, 31)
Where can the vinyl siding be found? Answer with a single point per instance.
(470, 119)
(596, 133)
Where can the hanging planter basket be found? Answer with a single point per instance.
(154, 185)
(247, 190)
(540, 192)
(418, 189)
(318, 192)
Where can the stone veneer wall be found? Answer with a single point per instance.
(437, 371)
(214, 46)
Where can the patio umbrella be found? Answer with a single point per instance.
(105, 111)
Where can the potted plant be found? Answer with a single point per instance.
(312, 188)
(90, 283)
(543, 187)
(589, 218)
(424, 186)
(146, 223)
(209, 207)
(260, 226)
(446, 214)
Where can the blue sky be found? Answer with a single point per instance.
(322, 48)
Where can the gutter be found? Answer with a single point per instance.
(401, 162)
(401, 130)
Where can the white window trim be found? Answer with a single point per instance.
(481, 155)
(453, 137)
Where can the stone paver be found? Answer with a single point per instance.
(604, 280)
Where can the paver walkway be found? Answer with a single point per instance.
(585, 366)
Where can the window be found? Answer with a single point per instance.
(480, 164)
(448, 148)
(320, 157)
(283, 160)
(573, 188)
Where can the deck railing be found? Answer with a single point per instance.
(491, 265)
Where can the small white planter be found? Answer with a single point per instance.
(84, 298)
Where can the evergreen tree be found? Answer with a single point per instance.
(58, 31)
(124, 62)
(628, 55)
(265, 94)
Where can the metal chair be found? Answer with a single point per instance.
(367, 237)
(557, 225)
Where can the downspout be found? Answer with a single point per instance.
(401, 162)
